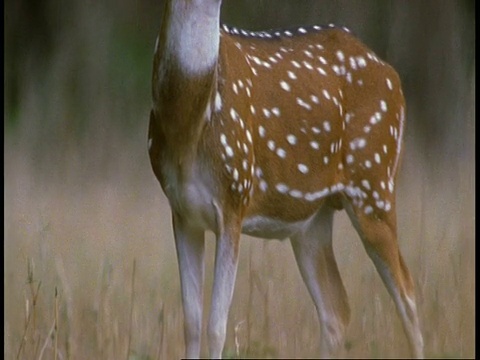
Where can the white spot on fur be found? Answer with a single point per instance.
(303, 168)
(261, 131)
(340, 56)
(383, 105)
(296, 194)
(263, 185)
(282, 188)
(368, 210)
(271, 145)
(285, 86)
(361, 61)
(304, 104)
(296, 64)
(223, 140)
(249, 136)
(281, 153)
(292, 139)
(315, 99)
(229, 151)
(366, 184)
(326, 126)
(358, 143)
(218, 102)
(389, 84)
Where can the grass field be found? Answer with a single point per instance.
(78, 228)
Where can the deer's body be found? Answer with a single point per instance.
(268, 134)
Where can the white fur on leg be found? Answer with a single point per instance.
(190, 252)
(224, 281)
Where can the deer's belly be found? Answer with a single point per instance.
(272, 228)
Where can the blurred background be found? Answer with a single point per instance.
(81, 202)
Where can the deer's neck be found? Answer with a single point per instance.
(184, 73)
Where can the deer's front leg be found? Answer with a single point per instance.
(226, 261)
(190, 244)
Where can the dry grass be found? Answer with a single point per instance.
(82, 205)
(81, 235)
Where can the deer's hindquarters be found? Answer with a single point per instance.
(306, 120)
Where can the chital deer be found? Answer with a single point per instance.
(267, 134)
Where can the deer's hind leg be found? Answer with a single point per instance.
(316, 261)
(377, 229)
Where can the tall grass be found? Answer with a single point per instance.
(82, 238)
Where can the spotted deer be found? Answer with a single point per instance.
(267, 134)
